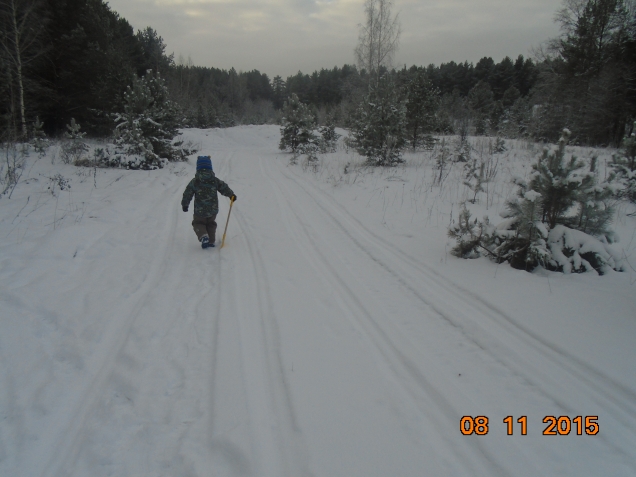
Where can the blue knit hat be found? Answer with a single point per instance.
(204, 162)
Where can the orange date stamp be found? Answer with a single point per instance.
(556, 426)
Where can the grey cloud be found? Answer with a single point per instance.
(284, 36)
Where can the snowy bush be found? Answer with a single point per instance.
(145, 130)
(11, 166)
(58, 181)
(559, 220)
(576, 251)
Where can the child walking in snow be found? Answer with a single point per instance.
(204, 188)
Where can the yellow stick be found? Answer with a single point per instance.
(227, 222)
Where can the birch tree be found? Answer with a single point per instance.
(21, 22)
(378, 38)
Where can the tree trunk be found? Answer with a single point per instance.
(18, 61)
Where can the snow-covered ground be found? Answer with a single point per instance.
(333, 335)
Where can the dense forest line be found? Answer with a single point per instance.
(75, 59)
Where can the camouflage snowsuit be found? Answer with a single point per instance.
(204, 188)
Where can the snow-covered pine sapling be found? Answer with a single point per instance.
(73, 146)
(521, 238)
(472, 236)
(38, 138)
(558, 181)
(596, 206)
(310, 150)
(624, 167)
(442, 166)
(298, 125)
(145, 130)
(328, 136)
(546, 223)
(379, 124)
(499, 146)
(474, 177)
(422, 103)
(557, 186)
(463, 150)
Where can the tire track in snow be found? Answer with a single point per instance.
(447, 300)
(397, 362)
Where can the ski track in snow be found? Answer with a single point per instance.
(308, 346)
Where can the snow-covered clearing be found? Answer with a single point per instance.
(334, 335)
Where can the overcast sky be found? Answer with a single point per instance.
(281, 37)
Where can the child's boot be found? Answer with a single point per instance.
(205, 241)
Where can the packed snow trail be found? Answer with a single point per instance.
(308, 346)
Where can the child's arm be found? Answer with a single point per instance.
(188, 193)
(224, 189)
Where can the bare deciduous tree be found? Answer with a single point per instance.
(21, 22)
(379, 37)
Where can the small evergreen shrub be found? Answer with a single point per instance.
(559, 221)
(38, 139)
(475, 178)
(73, 146)
(328, 137)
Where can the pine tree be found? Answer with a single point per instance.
(469, 235)
(38, 138)
(595, 203)
(421, 107)
(474, 177)
(298, 125)
(521, 239)
(328, 136)
(144, 131)
(624, 167)
(481, 101)
(559, 220)
(279, 91)
(561, 195)
(74, 146)
(379, 126)
(560, 182)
